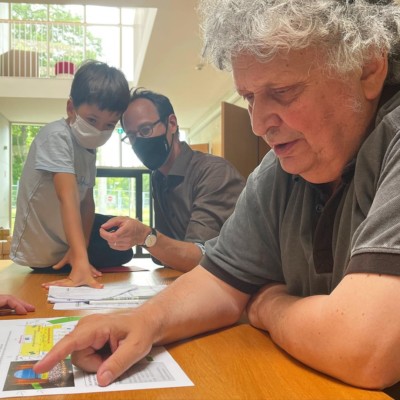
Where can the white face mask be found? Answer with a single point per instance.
(87, 135)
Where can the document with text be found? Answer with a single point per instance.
(25, 341)
(111, 296)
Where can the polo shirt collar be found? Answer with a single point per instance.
(179, 168)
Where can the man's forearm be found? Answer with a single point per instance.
(335, 334)
(199, 303)
(179, 255)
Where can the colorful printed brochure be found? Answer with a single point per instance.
(25, 341)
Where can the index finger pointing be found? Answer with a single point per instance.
(83, 337)
(59, 352)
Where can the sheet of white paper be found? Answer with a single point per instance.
(24, 341)
(132, 298)
(80, 305)
(83, 293)
(73, 294)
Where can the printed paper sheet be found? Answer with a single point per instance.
(25, 341)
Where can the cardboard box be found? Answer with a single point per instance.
(5, 247)
(4, 233)
(20, 63)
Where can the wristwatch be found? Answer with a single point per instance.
(151, 239)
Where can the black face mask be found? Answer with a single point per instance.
(153, 152)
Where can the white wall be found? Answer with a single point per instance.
(4, 173)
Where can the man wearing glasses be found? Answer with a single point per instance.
(194, 193)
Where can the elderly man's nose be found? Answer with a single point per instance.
(263, 120)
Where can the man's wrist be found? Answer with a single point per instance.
(150, 239)
(201, 247)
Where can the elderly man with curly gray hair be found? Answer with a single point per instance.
(312, 251)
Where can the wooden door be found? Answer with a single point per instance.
(203, 147)
(239, 144)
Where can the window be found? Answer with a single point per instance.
(34, 37)
(22, 136)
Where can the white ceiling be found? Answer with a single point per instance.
(169, 67)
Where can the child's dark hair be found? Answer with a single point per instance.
(97, 83)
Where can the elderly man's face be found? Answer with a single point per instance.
(314, 123)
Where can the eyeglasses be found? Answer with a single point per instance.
(143, 131)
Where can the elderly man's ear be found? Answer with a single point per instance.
(373, 76)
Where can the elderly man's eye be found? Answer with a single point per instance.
(288, 94)
(249, 98)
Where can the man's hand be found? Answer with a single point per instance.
(21, 307)
(196, 302)
(122, 233)
(261, 304)
(128, 337)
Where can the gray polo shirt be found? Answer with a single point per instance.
(285, 229)
(199, 193)
(39, 239)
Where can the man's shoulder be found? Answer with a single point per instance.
(269, 177)
(269, 166)
(206, 166)
(384, 140)
(190, 161)
(208, 159)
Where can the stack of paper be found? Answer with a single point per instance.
(73, 298)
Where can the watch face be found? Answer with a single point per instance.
(150, 240)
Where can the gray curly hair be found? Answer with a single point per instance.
(348, 32)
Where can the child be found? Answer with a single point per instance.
(55, 206)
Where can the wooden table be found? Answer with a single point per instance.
(240, 362)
